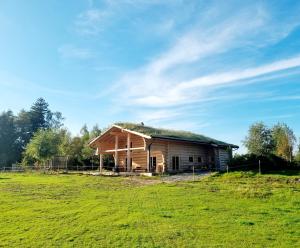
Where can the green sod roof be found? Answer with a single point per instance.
(172, 134)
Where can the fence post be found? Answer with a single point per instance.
(259, 169)
(67, 163)
(227, 169)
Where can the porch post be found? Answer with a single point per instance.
(116, 151)
(128, 153)
(149, 157)
(101, 162)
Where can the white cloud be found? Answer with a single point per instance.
(160, 90)
(158, 84)
(70, 51)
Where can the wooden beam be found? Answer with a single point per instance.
(125, 149)
(148, 157)
(128, 152)
(116, 133)
(101, 162)
(145, 144)
(133, 132)
(116, 151)
(148, 160)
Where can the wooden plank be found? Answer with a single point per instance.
(125, 149)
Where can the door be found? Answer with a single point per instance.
(153, 164)
(175, 163)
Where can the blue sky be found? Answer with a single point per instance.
(212, 67)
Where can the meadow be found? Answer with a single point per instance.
(238, 209)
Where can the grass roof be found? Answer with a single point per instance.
(171, 134)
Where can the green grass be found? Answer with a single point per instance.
(229, 210)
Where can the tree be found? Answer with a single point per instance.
(297, 157)
(39, 117)
(95, 132)
(24, 129)
(44, 145)
(284, 140)
(259, 140)
(42, 117)
(77, 148)
(8, 139)
(86, 152)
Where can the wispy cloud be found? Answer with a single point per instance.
(17, 83)
(70, 51)
(158, 84)
(102, 16)
(173, 79)
(90, 22)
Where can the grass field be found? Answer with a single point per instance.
(229, 210)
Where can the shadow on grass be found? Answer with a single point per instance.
(283, 172)
(253, 173)
(4, 178)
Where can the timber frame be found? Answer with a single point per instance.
(138, 152)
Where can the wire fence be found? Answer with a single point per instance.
(251, 166)
(63, 164)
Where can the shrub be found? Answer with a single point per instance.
(267, 162)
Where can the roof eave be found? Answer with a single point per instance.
(126, 130)
(133, 132)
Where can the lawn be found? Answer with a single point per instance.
(226, 210)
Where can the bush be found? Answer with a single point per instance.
(267, 162)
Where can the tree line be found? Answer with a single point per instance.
(275, 147)
(36, 135)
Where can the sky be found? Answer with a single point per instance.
(211, 67)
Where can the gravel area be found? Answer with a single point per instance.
(185, 177)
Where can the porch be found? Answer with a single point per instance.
(131, 152)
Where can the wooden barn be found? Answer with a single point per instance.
(139, 148)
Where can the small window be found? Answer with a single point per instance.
(191, 159)
(130, 145)
(199, 159)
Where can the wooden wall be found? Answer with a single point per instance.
(224, 156)
(165, 150)
(158, 150)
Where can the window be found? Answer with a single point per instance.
(130, 145)
(199, 159)
(191, 159)
(175, 163)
